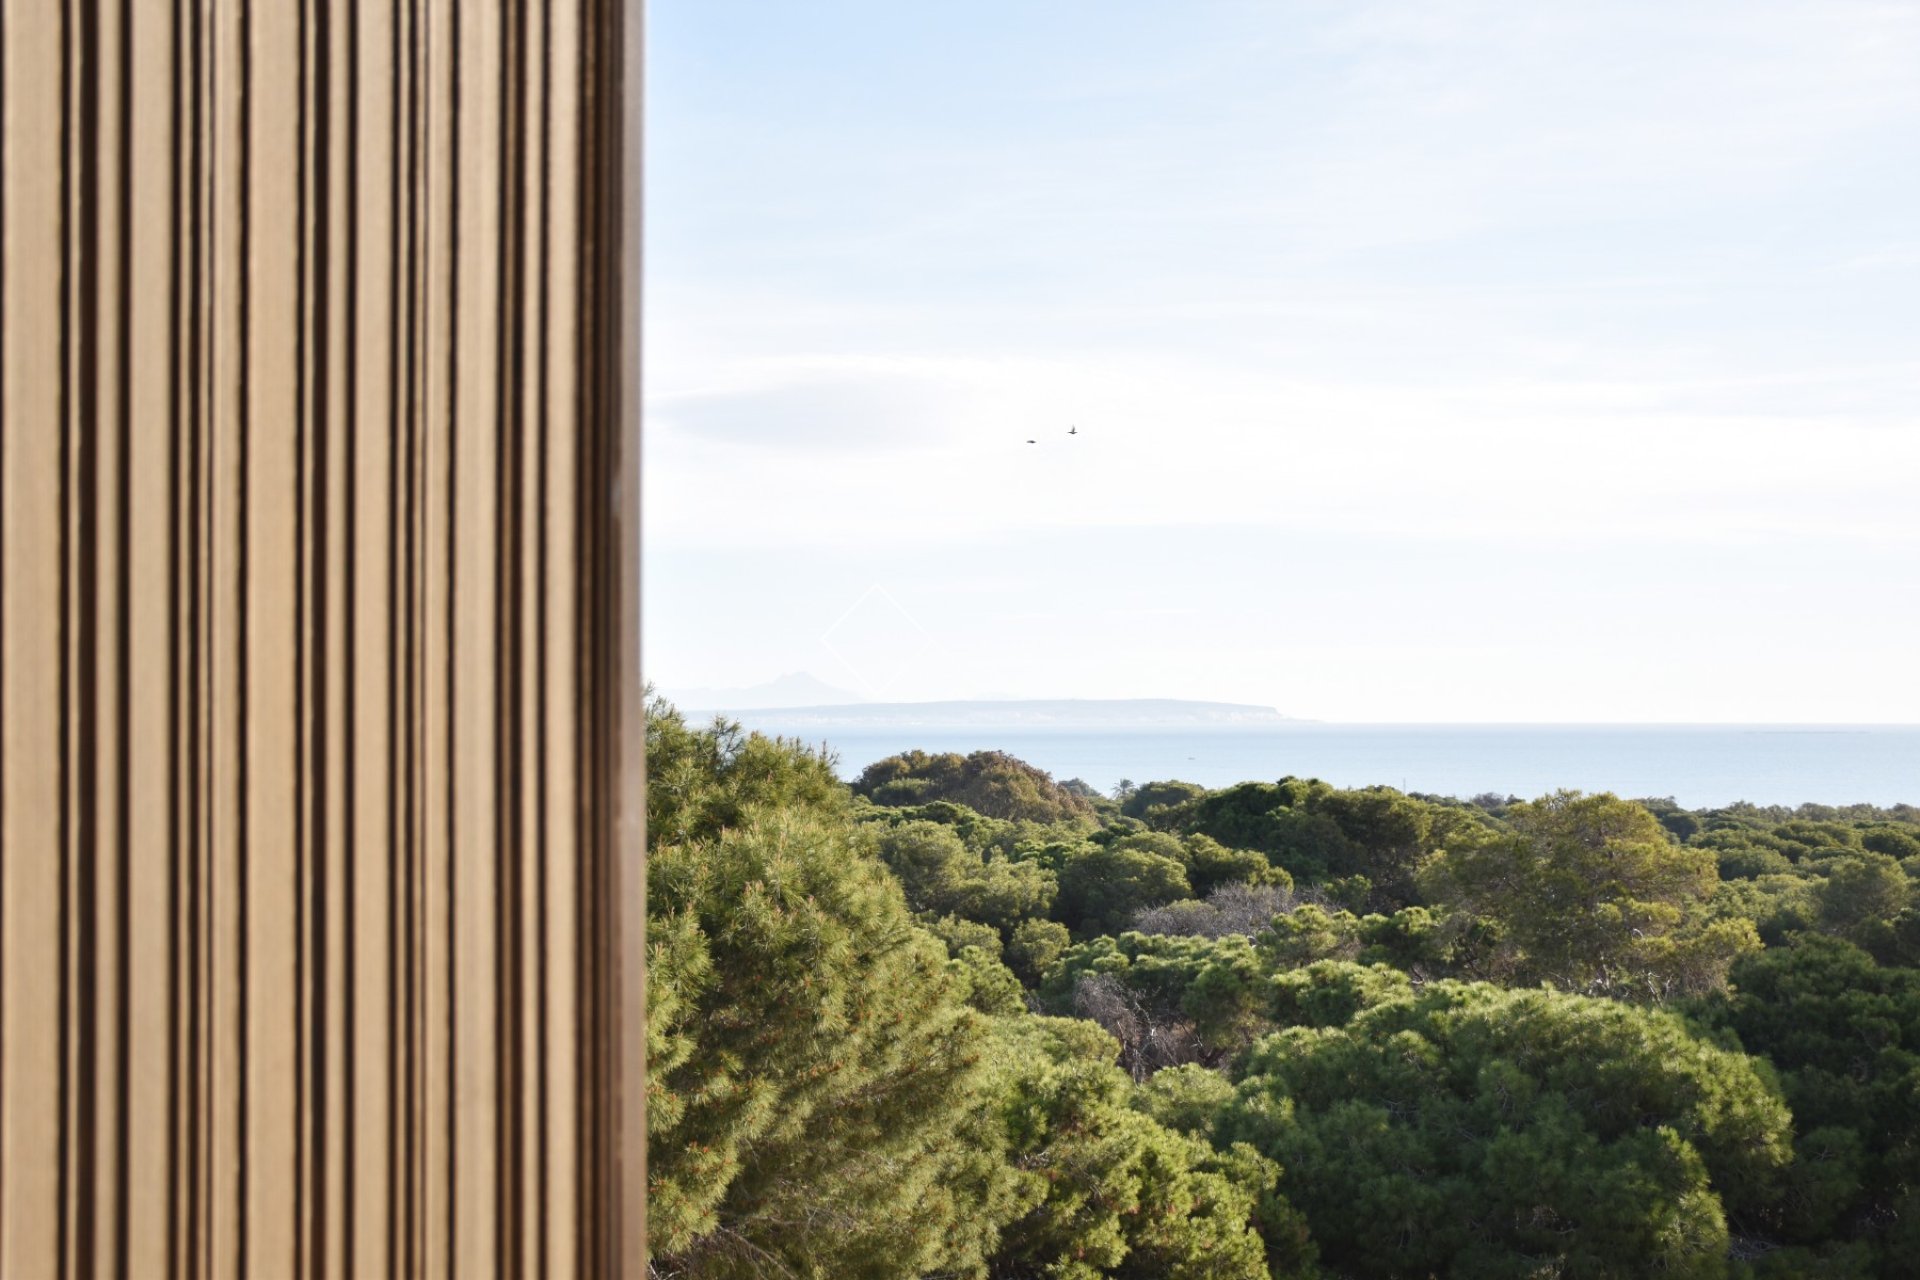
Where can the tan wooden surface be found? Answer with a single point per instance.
(320, 821)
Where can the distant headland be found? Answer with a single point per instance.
(1052, 713)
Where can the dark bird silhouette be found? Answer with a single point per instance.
(1073, 431)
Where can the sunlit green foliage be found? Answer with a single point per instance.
(1590, 894)
(985, 983)
(1467, 1130)
(1206, 995)
(1148, 796)
(992, 782)
(845, 1079)
(1779, 904)
(1185, 1098)
(1329, 993)
(959, 934)
(1311, 932)
(1125, 1195)
(1102, 888)
(702, 782)
(1412, 938)
(816, 1098)
(1034, 947)
(1373, 837)
(836, 1091)
(817, 1102)
(1211, 864)
(943, 876)
(1892, 841)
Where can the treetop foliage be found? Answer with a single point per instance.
(1844, 1034)
(990, 782)
(1465, 1130)
(1591, 895)
(833, 1091)
(958, 1020)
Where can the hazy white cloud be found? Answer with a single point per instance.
(945, 458)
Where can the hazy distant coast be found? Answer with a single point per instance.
(1060, 713)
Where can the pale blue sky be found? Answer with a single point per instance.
(1433, 360)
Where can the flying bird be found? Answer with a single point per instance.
(1033, 442)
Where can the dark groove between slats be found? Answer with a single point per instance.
(210, 881)
(123, 661)
(452, 1174)
(395, 713)
(68, 261)
(176, 744)
(243, 721)
(349, 604)
(542, 450)
(303, 712)
(317, 887)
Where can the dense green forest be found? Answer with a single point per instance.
(960, 1020)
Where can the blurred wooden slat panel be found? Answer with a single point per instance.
(319, 900)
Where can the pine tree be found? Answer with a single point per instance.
(817, 1101)
(1466, 1130)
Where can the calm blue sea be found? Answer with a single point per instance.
(1699, 766)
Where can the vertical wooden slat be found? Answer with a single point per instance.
(477, 1200)
(334, 841)
(375, 687)
(30, 1008)
(452, 143)
(270, 1201)
(353, 885)
(316, 756)
(118, 743)
(559, 668)
(154, 232)
(435, 393)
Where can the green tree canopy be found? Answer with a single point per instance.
(992, 782)
(1472, 1131)
(844, 1078)
(1126, 1196)
(1845, 1035)
(1034, 947)
(1329, 993)
(703, 781)
(1592, 896)
(1211, 865)
(942, 875)
(1895, 842)
(1316, 832)
(1159, 795)
(1102, 888)
(817, 1103)
(1167, 999)
(814, 1094)
(1387, 836)
(1862, 894)
(1186, 1098)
